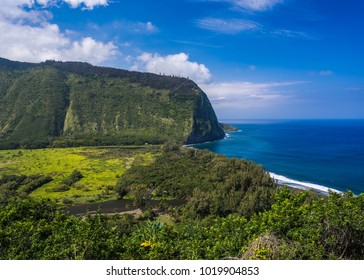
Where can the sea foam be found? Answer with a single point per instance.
(282, 180)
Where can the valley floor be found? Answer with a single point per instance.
(100, 168)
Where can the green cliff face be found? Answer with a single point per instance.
(71, 103)
(205, 124)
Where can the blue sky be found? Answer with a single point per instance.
(253, 58)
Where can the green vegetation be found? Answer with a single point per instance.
(228, 128)
(231, 210)
(77, 175)
(21, 186)
(212, 184)
(297, 226)
(57, 104)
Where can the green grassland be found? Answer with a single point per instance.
(100, 167)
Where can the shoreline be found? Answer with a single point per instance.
(281, 179)
(285, 181)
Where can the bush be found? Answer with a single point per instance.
(73, 178)
(61, 188)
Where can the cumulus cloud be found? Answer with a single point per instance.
(27, 35)
(15, 10)
(89, 4)
(223, 95)
(228, 26)
(174, 64)
(15, 7)
(88, 49)
(34, 44)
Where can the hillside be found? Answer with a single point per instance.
(74, 103)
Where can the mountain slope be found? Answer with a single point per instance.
(73, 103)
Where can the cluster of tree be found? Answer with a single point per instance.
(69, 181)
(29, 144)
(20, 186)
(299, 225)
(175, 84)
(211, 184)
(10, 65)
(137, 139)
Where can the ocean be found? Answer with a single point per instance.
(306, 154)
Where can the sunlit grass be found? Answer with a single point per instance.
(100, 166)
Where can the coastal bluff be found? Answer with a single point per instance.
(62, 104)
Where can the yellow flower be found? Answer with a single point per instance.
(146, 244)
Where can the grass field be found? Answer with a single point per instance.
(100, 166)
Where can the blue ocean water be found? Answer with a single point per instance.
(316, 154)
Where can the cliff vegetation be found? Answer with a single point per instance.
(62, 104)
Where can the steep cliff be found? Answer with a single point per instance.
(205, 124)
(73, 103)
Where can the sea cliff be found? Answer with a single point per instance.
(72, 103)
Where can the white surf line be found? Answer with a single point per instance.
(282, 180)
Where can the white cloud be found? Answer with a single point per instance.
(14, 10)
(91, 50)
(174, 64)
(253, 5)
(228, 26)
(235, 26)
(257, 5)
(45, 2)
(226, 96)
(34, 44)
(140, 27)
(125, 26)
(27, 35)
(291, 34)
(150, 27)
(89, 4)
(249, 95)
